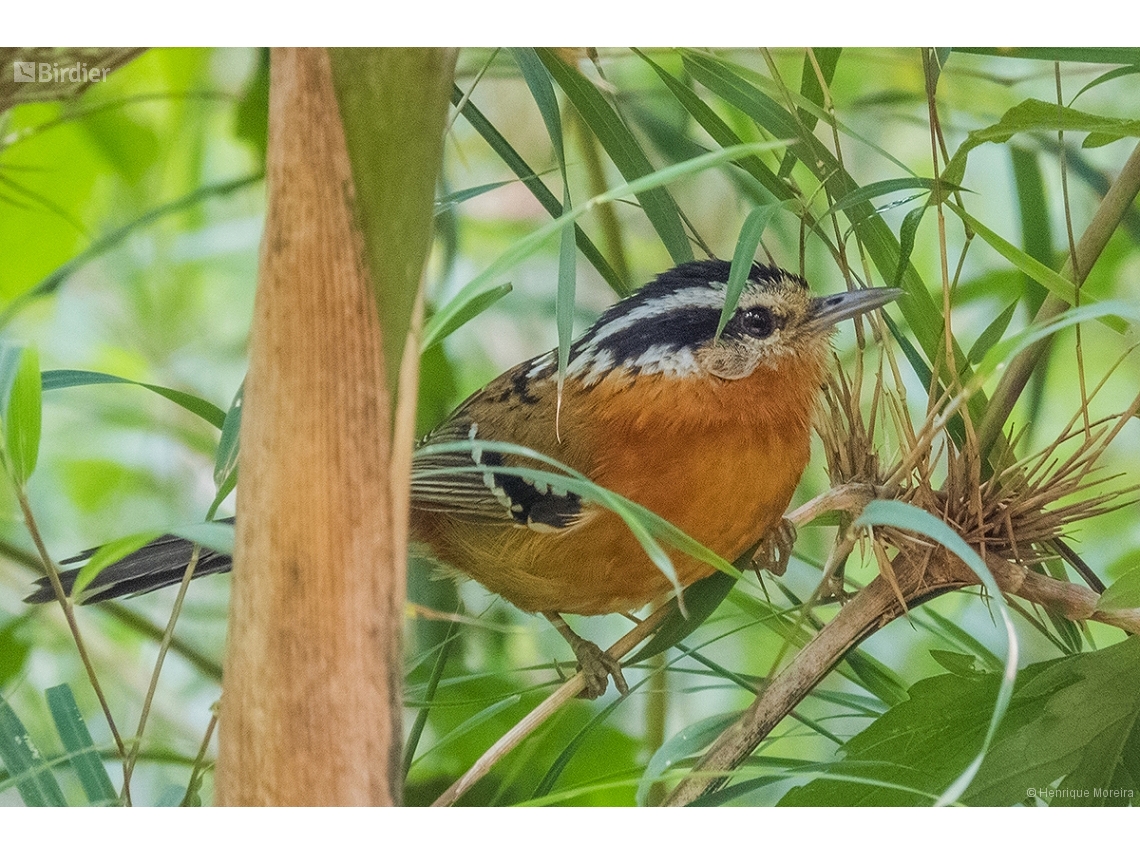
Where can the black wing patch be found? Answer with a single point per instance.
(465, 485)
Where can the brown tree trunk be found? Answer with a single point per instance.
(310, 709)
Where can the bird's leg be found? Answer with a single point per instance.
(775, 549)
(595, 664)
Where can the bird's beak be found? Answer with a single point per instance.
(830, 310)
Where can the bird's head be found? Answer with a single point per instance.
(670, 325)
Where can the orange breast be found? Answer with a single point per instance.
(719, 459)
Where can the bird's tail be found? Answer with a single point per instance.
(160, 563)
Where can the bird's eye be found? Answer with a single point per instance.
(757, 322)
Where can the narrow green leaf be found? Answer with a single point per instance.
(1096, 55)
(1107, 76)
(962, 664)
(22, 417)
(30, 774)
(107, 555)
(743, 256)
(82, 753)
(444, 203)
(67, 378)
(505, 152)
(523, 248)
(702, 598)
(469, 725)
(1033, 209)
(883, 188)
(14, 648)
(1124, 593)
(216, 536)
(909, 518)
(1031, 267)
(719, 130)
(226, 457)
(624, 151)
(459, 313)
(685, 743)
(812, 90)
(992, 334)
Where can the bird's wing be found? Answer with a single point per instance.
(464, 484)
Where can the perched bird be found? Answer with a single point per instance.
(710, 432)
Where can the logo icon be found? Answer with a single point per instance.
(24, 72)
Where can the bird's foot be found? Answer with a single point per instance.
(596, 665)
(775, 549)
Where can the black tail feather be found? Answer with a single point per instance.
(160, 563)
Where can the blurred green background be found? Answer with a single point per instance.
(136, 209)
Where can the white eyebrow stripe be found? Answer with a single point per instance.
(694, 297)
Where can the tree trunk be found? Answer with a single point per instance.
(311, 705)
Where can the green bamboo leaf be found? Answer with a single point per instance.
(811, 89)
(469, 725)
(623, 150)
(27, 769)
(82, 753)
(463, 308)
(685, 743)
(226, 457)
(883, 188)
(523, 248)
(743, 256)
(107, 555)
(67, 378)
(719, 130)
(1031, 267)
(444, 203)
(1107, 76)
(992, 334)
(215, 536)
(530, 179)
(23, 413)
(1035, 115)
(701, 598)
(909, 518)
(1096, 55)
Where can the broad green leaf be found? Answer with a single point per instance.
(1072, 721)
(1124, 593)
(202, 408)
(81, 751)
(1034, 115)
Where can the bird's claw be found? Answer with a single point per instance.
(775, 549)
(597, 667)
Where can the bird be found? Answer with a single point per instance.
(709, 431)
